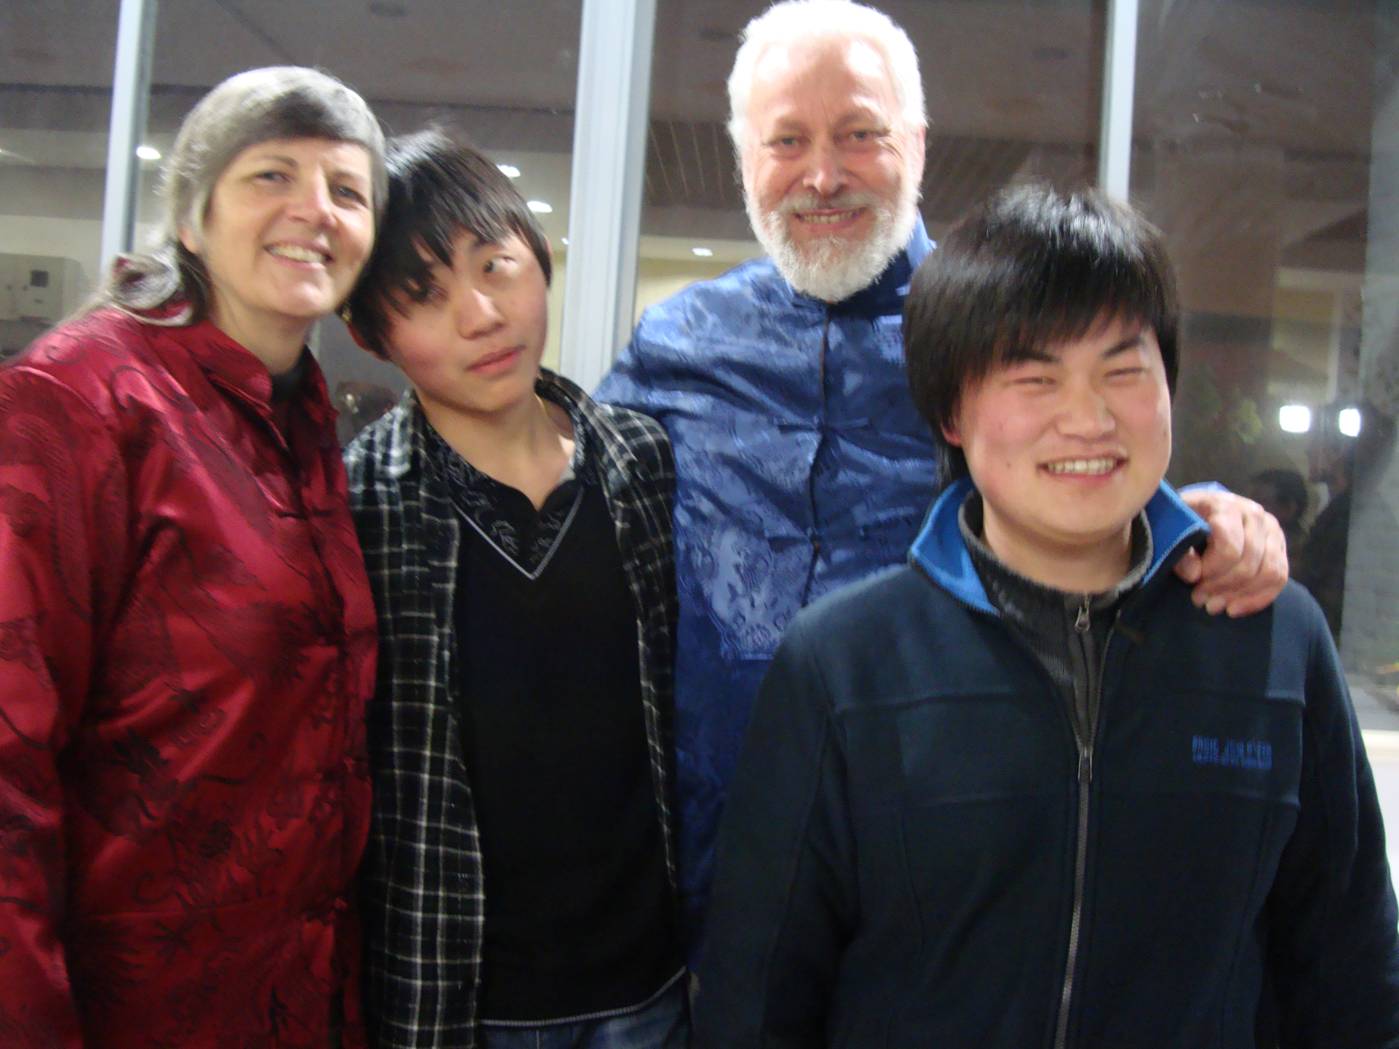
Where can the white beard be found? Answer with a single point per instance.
(835, 267)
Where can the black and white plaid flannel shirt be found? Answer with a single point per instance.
(422, 889)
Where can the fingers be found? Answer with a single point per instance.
(1271, 577)
(1188, 568)
(1244, 566)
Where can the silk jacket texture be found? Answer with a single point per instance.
(801, 466)
(187, 644)
(424, 888)
(919, 853)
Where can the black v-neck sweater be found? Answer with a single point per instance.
(578, 917)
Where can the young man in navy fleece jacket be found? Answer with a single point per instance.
(1020, 791)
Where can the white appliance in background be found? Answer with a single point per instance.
(36, 292)
(39, 288)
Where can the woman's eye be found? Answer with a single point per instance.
(351, 194)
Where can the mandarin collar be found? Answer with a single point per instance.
(230, 364)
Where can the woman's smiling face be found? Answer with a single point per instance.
(289, 225)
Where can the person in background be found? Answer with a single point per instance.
(1283, 493)
(802, 464)
(519, 887)
(187, 635)
(1331, 462)
(1021, 791)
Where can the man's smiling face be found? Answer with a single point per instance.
(831, 168)
(1066, 447)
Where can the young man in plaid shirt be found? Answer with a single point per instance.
(519, 885)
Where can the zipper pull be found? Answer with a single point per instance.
(1085, 765)
(1081, 622)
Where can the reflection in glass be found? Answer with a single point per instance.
(1266, 144)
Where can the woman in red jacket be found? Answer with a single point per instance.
(186, 632)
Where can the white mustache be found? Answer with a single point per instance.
(811, 202)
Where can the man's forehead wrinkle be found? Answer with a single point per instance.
(854, 110)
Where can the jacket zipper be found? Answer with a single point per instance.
(1084, 737)
(1082, 622)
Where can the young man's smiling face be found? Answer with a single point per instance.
(1065, 449)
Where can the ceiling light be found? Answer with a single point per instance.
(148, 152)
(704, 253)
(509, 170)
(565, 241)
(1348, 422)
(539, 207)
(1295, 418)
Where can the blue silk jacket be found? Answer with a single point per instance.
(802, 466)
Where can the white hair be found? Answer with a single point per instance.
(794, 20)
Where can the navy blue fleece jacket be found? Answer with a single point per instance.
(900, 865)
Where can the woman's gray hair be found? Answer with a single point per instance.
(247, 108)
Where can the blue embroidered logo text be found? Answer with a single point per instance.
(1253, 754)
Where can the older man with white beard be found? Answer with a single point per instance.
(801, 462)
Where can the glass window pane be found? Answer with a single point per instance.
(1267, 147)
(55, 108)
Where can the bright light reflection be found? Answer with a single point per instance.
(509, 170)
(539, 207)
(1295, 418)
(1348, 422)
(704, 253)
(148, 152)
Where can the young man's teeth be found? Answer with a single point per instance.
(291, 251)
(1082, 466)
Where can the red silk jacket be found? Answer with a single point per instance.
(187, 643)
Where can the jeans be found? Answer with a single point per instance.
(664, 1024)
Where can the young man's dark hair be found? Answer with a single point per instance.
(1028, 269)
(438, 187)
